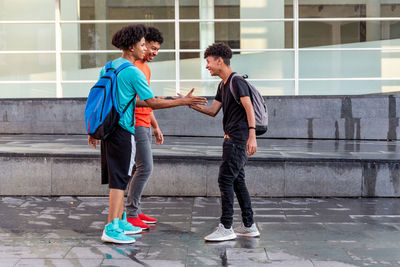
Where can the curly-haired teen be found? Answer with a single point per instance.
(118, 150)
(239, 143)
(154, 35)
(219, 50)
(145, 119)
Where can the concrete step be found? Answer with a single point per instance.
(54, 165)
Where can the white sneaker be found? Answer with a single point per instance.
(221, 234)
(251, 231)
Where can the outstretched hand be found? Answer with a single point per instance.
(194, 100)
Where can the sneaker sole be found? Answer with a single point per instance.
(249, 234)
(133, 232)
(106, 238)
(143, 228)
(149, 222)
(225, 238)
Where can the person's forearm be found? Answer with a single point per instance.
(142, 104)
(248, 107)
(205, 110)
(251, 118)
(157, 103)
(153, 121)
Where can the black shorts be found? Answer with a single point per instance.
(117, 158)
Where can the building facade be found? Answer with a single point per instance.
(55, 48)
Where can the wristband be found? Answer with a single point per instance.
(250, 127)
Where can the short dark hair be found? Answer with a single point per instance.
(128, 36)
(219, 50)
(153, 35)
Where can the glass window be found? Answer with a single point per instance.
(265, 65)
(274, 9)
(164, 88)
(261, 35)
(229, 33)
(142, 10)
(82, 89)
(349, 64)
(27, 10)
(189, 34)
(27, 67)
(274, 87)
(227, 9)
(288, 9)
(28, 90)
(390, 9)
(189, 9)
(209, 88)
(313, 33)
(86, 66)
(163, 67)
(236, 9)
(76, 89)
(194, 67)
(375, 8)
(262, 65)
(78, 66)
(341, 64)
(238, 35)
(118, 10)
(27, 37)
(308, 9)
(203, 88)
(98, 36)
(330, 50)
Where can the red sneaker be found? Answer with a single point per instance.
(136, 221)
(147, 219)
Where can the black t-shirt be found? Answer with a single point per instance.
(235, 118)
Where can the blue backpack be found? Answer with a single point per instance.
(101, 111)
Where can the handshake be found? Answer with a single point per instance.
(192, 100)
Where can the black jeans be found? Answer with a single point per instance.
(231, 179)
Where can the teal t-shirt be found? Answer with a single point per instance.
(131, 81)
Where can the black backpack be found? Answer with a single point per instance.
(260, 108)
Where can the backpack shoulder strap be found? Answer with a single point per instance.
(109, 66)
(117, 71)
(231, 88)
(123, 66)
(220, 85)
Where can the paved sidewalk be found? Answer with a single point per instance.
(65, 231)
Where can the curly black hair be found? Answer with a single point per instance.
(154, 35)
(219, 50)
(128, 36)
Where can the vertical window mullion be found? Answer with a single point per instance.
(59, 91)
(177, 48)
(296, 45)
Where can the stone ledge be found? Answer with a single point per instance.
(66, 165)
(195, 177)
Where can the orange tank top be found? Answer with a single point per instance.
(142, 114)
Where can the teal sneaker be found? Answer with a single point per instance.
(127, 227)
(112, 233)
